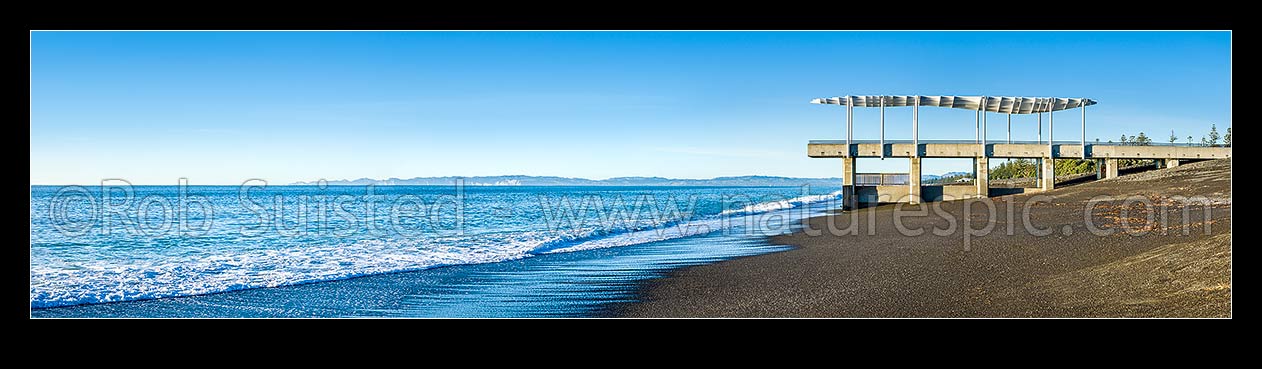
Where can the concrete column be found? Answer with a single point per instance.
(1110, 168)
(1159, 163)
(1038, 172)
(1099, 169)
(1171, 163)
(1049, 174)
(913, 181)
(848, 200)
(982, 176)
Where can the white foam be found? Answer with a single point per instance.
(781, 204)
(110, 281)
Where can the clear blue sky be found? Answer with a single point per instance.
(223, 107)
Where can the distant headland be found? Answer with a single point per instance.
(524, 180)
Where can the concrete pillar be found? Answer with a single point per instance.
(1038, 172)
(982, 177)
(1171, 163)
(848, 200)
(1159, 163)
(1049, 174)
(1110, 168)
(913, 181)
(1099, 169)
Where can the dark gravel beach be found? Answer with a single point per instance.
(1142, 269)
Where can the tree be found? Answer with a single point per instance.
(1172, 138)
(1189, 140)
(1204, 142)
(1213, 135)
(1227, 137)
(1142, 140)
(1019, 168)
(1123, 139)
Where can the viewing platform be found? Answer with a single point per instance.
(907, 187)
(1015, 149)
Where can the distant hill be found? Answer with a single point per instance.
(934, 177)
(520, 180)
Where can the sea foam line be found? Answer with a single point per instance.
(763, 207)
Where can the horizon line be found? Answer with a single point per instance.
(331, 182)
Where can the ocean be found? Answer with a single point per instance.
(254, 250)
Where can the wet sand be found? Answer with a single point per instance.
(1141, 270)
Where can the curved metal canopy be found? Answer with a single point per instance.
(996, 104)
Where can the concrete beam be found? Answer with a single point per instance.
(1157, 152)
(1017, 150)
(941, 150)
(839, 149)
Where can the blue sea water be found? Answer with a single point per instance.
(458, 251)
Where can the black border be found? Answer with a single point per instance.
(611, 16)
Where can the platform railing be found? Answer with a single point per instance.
(881, 179)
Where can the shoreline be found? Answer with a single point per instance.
(581, 283)
(1069, 273)
(280, 262)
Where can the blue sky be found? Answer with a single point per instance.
(223, 107)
